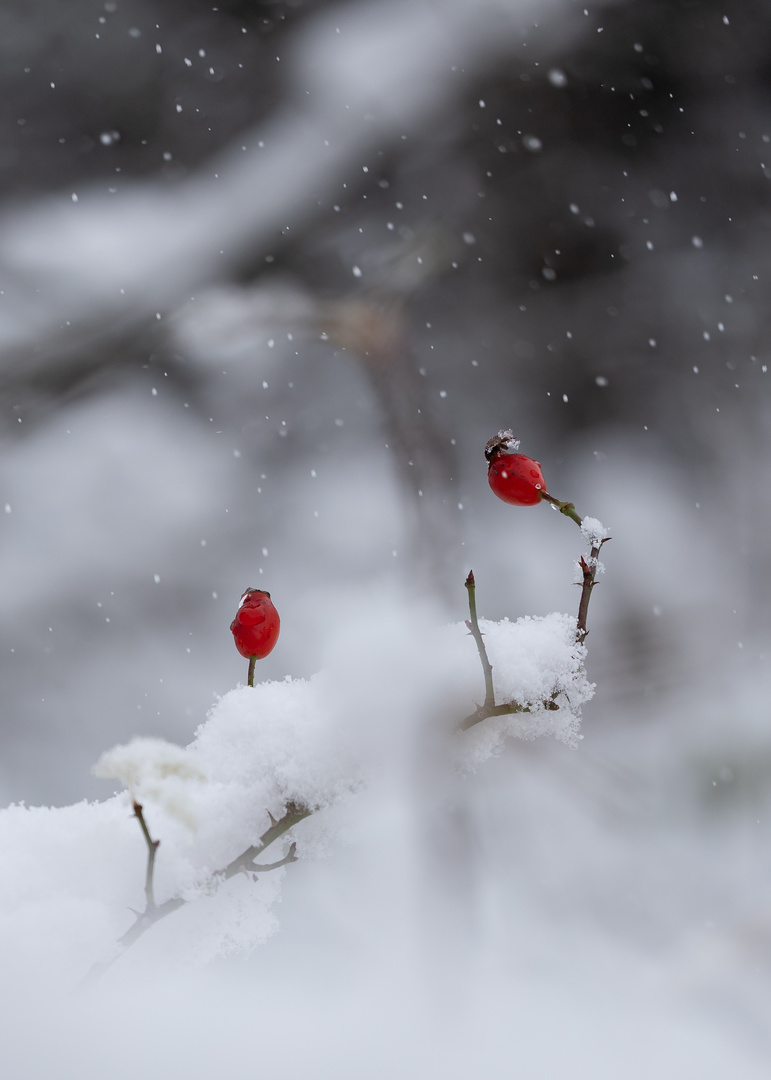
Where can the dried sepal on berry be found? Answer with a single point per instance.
(503, 442)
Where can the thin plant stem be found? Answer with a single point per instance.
(566, 508)
(152, 851)
(488, 708)
(250, 676)
(476, 633)
(588, 568)
(483, 712)
(589, 571)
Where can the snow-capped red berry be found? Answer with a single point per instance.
(515, 478)
(256, 625)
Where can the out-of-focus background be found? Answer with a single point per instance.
(271, 273)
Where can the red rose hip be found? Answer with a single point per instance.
(514, 478)
(256, 625)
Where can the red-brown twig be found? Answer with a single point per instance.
(589, 571)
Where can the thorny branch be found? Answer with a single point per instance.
(589, 569)
(244, 862)
(294, 813)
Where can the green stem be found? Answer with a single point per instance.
(250, 676)
(566, 508)
(476, 633)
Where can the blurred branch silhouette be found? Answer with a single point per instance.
(81, 270)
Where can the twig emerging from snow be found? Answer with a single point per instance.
(589, 571)
(152, 850)
(596, 534)
(245, 861)
(483, 712)
(153, 912)
(488, 707)
(473, 624)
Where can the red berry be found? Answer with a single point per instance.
(516, 478)
(256, 625)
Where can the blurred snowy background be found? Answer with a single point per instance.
(271, 273)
